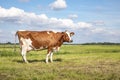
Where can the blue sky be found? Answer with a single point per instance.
(91, 20)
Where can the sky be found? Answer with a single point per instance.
(90, 20)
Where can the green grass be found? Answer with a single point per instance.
(72, 62)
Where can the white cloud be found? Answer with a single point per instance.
(84, 25)
(99, 23)
(12, 12)
(98, 30)
(58, 5)
(72, 16)
(18, 16)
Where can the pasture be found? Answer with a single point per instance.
(72, 62)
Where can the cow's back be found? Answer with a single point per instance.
(23, 34)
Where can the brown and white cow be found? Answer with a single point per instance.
(38, 40)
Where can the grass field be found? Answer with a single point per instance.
(72, 62)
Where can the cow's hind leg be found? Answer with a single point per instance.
(23, 53)
(47, 57)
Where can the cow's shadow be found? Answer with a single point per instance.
(30, 61)
(35, 60)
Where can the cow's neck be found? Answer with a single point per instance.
(60, 39)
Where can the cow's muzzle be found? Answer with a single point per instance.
(71, 41)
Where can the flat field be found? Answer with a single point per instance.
(72, 62)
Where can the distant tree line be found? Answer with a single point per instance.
(10, 43)
(101, 43)
(93, 43)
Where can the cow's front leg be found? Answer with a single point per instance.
(47, 56)
(51, 59)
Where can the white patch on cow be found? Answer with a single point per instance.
(58, 48)
(45, 47)
(27, 43)
(22, 30)
(48, 32)
(55, 49)
(26, 46)
(68, 33)
(23, 53)
(54, 31)
(41, 47)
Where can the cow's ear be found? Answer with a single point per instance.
(63, 33)
(72, 33)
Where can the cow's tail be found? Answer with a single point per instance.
(15, 42)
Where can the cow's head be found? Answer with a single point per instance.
(67, 36)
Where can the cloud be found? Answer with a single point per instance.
(98, 23)
(98, 30)
(12, 12)
(72, 16)
(83, 25)
(58, 5)
(19, 16)
(11, 15)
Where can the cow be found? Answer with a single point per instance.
(38, 40)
